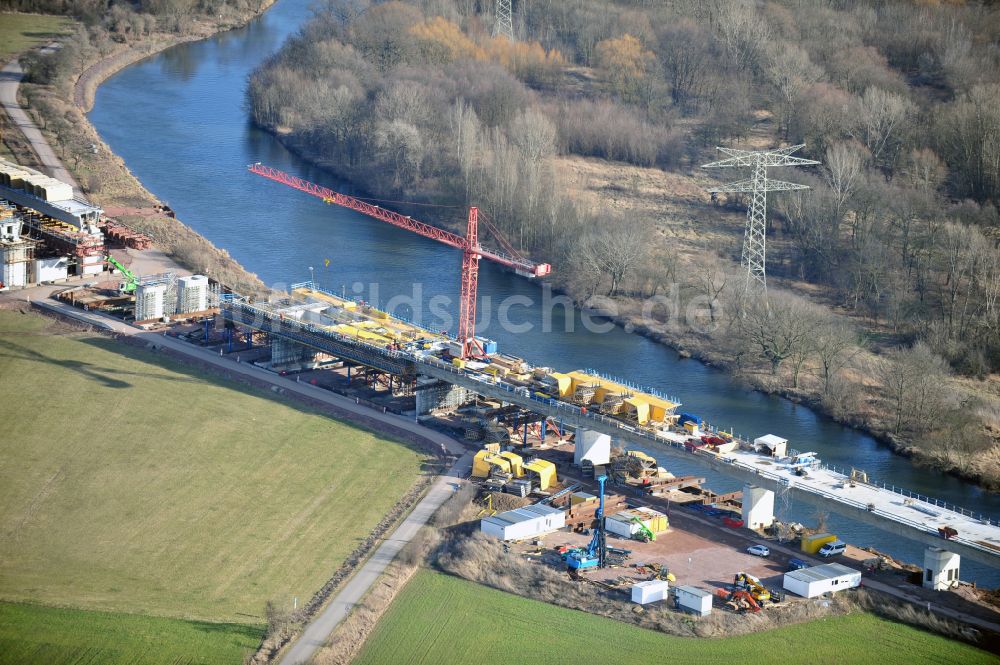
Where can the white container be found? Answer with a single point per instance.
(694, 600)
(95, 269)
(523, 523)
(650, 592)
(817, 580)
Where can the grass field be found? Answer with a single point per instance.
(442, 619)
(131, 484)
(19, 32)
(33, 634)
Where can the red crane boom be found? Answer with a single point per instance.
(472, 251)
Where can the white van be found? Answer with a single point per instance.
(833, 548)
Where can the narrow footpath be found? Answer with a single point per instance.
(10, 81)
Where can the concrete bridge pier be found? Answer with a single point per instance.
(593, 447)
(940, 569)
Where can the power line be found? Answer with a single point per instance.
(757, 186)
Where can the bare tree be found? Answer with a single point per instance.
(881, 121)
(778, 328)
(912, 381)
(969, 138)
(834, 344)
(615, 247)
(790, 71)
(842, 168)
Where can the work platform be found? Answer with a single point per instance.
(317, 320)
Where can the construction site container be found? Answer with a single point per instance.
(817, 580)
(771, 445)
(523, 523)
(694, 600)
(623, 524)
(650, 591)
(811, 544)
(581, 497)
(49, 270)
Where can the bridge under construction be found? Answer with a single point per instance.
(312, 325)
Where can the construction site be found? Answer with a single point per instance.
(572, 466)
(50, 235)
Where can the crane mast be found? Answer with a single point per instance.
(472, 251)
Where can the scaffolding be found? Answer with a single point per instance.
(156, 296)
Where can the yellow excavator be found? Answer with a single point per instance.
(753, 586)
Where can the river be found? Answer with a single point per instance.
(179, 122)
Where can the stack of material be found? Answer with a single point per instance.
(518, 487)
(633, 465)
(584, 515)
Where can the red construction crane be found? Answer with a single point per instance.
(472, 251)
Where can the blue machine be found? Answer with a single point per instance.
(597, 550)
(688, 417)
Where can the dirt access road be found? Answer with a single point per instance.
(10, 80)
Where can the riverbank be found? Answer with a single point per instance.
(59, 108)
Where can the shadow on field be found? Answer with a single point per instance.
(191, 374)
(105, 375)
(252, 631)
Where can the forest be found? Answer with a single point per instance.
(884, 299)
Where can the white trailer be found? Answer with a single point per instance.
(817, 580)
(523, 523)
(694, 600)
(650, 591)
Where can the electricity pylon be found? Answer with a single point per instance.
(757, 186)
(504, 24)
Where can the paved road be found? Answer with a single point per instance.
(317, 633)
(10, 79)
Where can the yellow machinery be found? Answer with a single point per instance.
(753, 586)
(811, 544)
(542, 472)
(485, 461)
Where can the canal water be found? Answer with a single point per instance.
(179, 121)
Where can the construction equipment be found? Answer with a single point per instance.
(486, 463)
(596, 552)
(739, 600)
(488, 508)
(472, 251)
(130, 279)
(753, 586)
(645, 534)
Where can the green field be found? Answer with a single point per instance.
(19, 32)
(133, 484)
(33, 634)
(442, 619)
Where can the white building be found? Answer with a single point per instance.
(650, 591)
(523, 523)
(771, 444)
(940, 569)
(817, 580)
